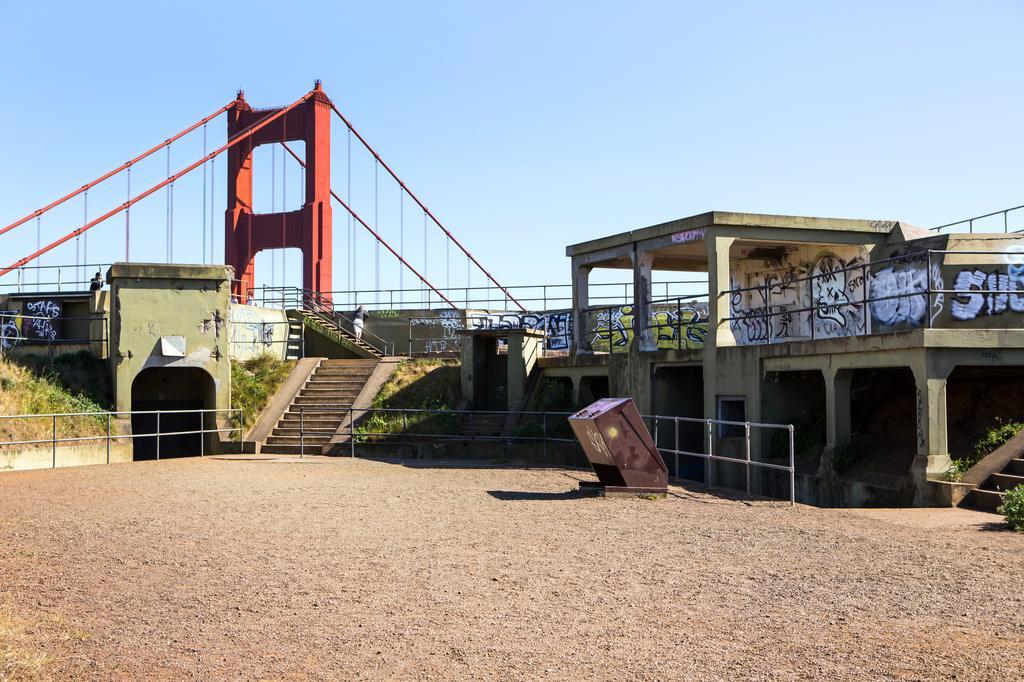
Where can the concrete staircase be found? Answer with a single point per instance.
(326, 397)
(482, 424)
(327, 325)
(989, 495)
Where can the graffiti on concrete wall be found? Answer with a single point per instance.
(253, 331)
(557, 326)
(980, 293)
(10, 335)
(41, 319)
(899, 293)
(436, 334)
(682, 327)
(819, 299)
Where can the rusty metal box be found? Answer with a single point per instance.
(619, 447)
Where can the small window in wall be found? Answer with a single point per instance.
(732, 409)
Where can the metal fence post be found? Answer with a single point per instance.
(746, 449)
(676, 471)
(928, 310)
(302, 432)
(711, 454)
(352, 432)
(158, 436)
(54, 441)
(108, 438)
(202, 433)
(792, 469)
(544, 433)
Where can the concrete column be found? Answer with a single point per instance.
(719, 333)
(580, 302)
(930, 408)
(642, 332)
(837, 415)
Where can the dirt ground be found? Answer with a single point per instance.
(213, 569)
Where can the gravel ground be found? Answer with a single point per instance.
(218, 569)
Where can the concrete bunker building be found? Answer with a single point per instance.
(888, 346)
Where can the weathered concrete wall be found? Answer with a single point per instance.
(255, 331)
(152, 302)
(76, 322)
(66, 456)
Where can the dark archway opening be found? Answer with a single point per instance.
(178, 393)
(979, 398)
(883, 423)
(679, 392)
(796, 398)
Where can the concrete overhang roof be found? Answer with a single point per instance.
(167, 271)
(679, 241)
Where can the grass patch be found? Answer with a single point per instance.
(996, 435)
(253, 382)
(23, 391)
(417, 384)
(19, 659)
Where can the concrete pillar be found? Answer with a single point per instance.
(837, 415)
(930, 408)
(719, 333)
(580, 302)
(642, 332)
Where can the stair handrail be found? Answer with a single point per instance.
(319, 304)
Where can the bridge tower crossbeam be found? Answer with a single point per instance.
(246, 232)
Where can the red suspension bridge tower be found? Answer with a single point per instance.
(246, 233)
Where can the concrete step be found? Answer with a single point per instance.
(987, 500)
(348, 362)
(314, 439)
(295, 432)
(1015, 467)
(316, 390)
(328, 400)
(290, 449)
(1003, 482)
(340, 381)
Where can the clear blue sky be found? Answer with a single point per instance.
(527, 126)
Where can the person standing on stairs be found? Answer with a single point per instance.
(357, 322)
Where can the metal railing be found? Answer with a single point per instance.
(110, 437)
(538, 296)
(969, 222)
(319, 305)
(407, 425)
(51, 278)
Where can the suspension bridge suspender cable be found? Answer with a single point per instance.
(376, 236)
(155, 188)
(376, 227)
(39, 241)
(351, 230)
(167, 233)
(424, 207)
(273, 207)
(401, 243)
(85, 237)
(284, 203)
(426, 262)
(213, 201)
(202, 244)
(128, 219)
(124, 166)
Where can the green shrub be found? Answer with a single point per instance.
(1013, 508)
(996, 435)
(253, 381)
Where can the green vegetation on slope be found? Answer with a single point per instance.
(253, 382)
(419, 384)
(22, 391)
(996, 435)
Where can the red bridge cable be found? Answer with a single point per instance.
(423, 206)
(126, 205)
(124, 166)
(379, 239)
